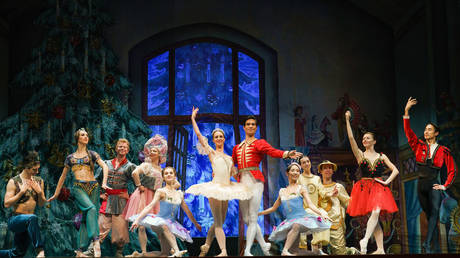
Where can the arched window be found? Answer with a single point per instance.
(226, 82)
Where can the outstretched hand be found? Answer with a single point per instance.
(439, 187)
(134, 225)
(410, 102)
(52, 198)
(294, 154)
(348, 115)
(194, 112)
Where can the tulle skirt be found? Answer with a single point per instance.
(220, 191)
(137, 202)
(309, 224)
(368, 195)
(152, 220)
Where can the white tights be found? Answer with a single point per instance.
(374, 228)
(250, 208)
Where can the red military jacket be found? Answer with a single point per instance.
(250, 154)
(441, 156)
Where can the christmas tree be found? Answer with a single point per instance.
(73, 75)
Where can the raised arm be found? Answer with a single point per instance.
(271, 209)
(195, 127)
(187, 211)
(354, 146)
(159, 195)
(60, 183)
(411, 136)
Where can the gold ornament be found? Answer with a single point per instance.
(49, 79)
(52, 45)
(95, 43)
(34, 119)
(58, 156)
(110, 150)
(107, 106)
(10, 168)
(84, 90)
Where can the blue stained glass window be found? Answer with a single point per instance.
(199, 171)
(160, 129)
(203, 78)
(248, 83)
(158, 85)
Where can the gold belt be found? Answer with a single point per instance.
(248, 169)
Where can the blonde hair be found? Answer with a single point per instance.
(122, 140)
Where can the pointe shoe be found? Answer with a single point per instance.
(135, 254)
(266, 249)
(204, 250)
(247, 253)
(379, 251)
(79, 253)
(97, 249)
(286, 253)
(363, 246)
(223, 253)
(41, 254)
(178, 254)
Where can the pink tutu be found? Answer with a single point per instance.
(137, 202)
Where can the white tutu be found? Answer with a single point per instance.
(221, 192)
(220, 188)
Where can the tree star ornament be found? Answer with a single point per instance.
(34, 119)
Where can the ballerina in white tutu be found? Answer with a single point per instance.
(164, 223)
(220, 189)
(297, 219)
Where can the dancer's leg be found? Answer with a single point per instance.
(290, 238)
(435, 199)
(219, 218)
(172, 241)
(378, 235)
(142, 239)
(371, 223)
(253, 227)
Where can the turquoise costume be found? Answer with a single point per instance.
(86, 196)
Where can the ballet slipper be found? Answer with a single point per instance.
(247, 253)
(204, 250)
(178, 254)
(266, 249)
(379, 251)
(286, 253)
(79, 253)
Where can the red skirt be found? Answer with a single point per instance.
(368, 195)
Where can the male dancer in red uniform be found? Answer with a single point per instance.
(247, 156)
(430, 157)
